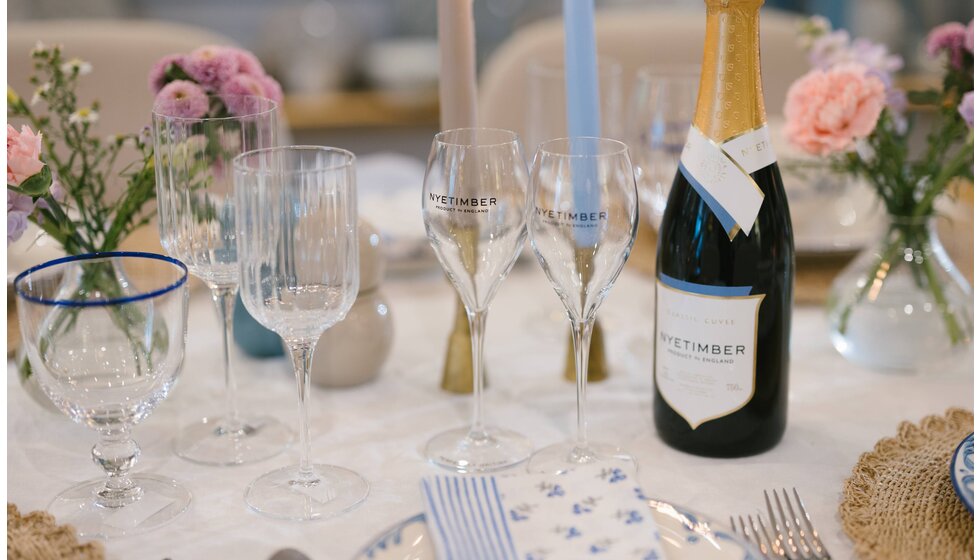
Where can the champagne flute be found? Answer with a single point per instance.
(582, 219)
(473, 203)
(296, 213)
(193, 158)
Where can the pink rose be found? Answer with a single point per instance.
(827, 110)
(968, 40)
(23, 154)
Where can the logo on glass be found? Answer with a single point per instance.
(573, 219)
(465, 205)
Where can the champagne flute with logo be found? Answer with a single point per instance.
(473, 205)
(582, 222)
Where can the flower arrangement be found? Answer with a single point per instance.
(848, 111)
(210, 81)
(58, 170)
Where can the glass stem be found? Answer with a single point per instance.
(224, 300)
(301, 352)
(116, 453)
(581, 340)
(478, 322)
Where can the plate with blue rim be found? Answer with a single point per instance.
(961, 471)
(684, 535)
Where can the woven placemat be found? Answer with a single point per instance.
(36, 536)
(899, 501)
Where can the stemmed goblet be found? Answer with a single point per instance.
(582, 219)
(193, 159)
(105, 335)
(296, 212)
(473, 203)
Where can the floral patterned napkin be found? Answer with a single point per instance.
(593, 512)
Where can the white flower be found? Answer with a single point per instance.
(865, 151)
(39, 92)
(83, 116)
(39, 48)
(77, 65)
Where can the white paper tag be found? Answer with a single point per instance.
(751, 150)
(723, 183)
(705, 348)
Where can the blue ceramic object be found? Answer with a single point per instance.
(254, 339)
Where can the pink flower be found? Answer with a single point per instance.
(827, 110)
(968, 39)
(272, 88)
(210, 66)
(247, 62)
(966, 109)
(949, 37)
(23, 154)
(236, 91)
(181, 98)
(158, 74)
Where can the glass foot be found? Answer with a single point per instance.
(211, 442)
(466, 451)
(286, 494)
(160, 501)
(564, 457)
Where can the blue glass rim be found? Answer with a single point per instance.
(105, 302)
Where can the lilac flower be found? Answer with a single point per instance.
(19, 206)
(247, 62)
(837, 48)
(237, 91)
(966, 109)
(181, 98)
(158, 74)
(211, 66)
(949, 37)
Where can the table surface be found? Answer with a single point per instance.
(837, 411)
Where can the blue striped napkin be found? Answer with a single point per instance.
(597, 512)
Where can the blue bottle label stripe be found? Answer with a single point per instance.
(704, 289)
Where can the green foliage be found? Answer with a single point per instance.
(85, 220)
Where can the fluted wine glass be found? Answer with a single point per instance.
(193, 160)
(297, 245)
(105, 335)
(582, 220)
(473, 201)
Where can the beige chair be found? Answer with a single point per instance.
(633, 37)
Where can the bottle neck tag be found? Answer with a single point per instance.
(721, 174)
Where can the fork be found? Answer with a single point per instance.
(793, 535)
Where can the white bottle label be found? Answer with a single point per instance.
(721, 175)
(705, 348)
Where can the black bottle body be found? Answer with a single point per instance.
(694, 247)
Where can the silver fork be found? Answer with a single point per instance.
(793, 535)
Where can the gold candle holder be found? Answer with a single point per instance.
(457, 371)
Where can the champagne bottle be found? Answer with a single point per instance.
(725, 261)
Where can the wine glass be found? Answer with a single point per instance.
(473, 202)
(582, 221)
(296, 213)
(660, 116)
(105, 335)
(193, 158)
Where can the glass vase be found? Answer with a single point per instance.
(901, 304)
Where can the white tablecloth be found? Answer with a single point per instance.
(837, 411)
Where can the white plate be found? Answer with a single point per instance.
(961, 471)
(684, 536)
